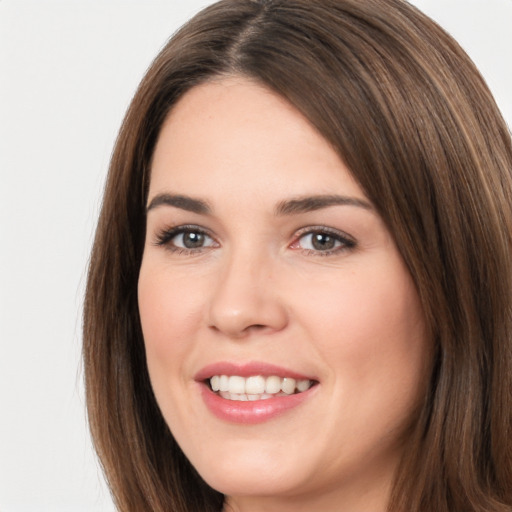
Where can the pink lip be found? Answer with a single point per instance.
(250, 412)
(247, 369)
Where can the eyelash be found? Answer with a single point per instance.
(165, 237)
(345, 242)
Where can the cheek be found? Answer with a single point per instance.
(364, 308)
(168, 317)
(370, 329)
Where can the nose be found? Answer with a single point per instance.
(246, 298)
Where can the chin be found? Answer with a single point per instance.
(249, 485)
(249, 474)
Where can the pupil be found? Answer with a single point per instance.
(323, 242)
(193, 240)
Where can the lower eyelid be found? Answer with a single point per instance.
(344, 241)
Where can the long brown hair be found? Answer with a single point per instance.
(414, 121)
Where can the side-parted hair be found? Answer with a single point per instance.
(413, 120)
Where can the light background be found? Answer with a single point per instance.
(67, 72)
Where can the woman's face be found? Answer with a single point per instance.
(267, 273)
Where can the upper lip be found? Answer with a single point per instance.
(247, 370)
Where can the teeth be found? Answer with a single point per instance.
(273, 385)
(223, 383)
(288, 386)
(247, 398)
(236, 385)
(303, 385)
(257, 387)
(215, 383)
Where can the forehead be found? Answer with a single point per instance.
(237, 135)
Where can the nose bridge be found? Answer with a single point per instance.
(245, 297)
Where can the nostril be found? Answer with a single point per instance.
(256, 328)
(239, 314)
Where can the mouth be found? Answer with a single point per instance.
(256, 387)
(253, 392)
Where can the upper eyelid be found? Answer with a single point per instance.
(323, 229)
(165, 235)
(171, 231)
(346, 241)
(181, 228)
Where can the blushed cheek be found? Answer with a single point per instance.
(154, 308)
(167, 318)
(373, 327)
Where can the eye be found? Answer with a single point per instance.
(324, 241)
(185, 239)
(191, 240)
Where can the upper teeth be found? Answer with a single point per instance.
(258, 385)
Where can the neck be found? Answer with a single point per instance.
(367, 497)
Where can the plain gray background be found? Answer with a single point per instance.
(67, 72)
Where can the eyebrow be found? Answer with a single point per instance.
(312, 203)
(187, 203)
(287, 207)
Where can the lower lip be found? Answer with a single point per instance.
(252, 412)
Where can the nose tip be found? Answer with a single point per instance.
(238, 324)
(246, 301)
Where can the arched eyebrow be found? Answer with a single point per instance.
(187, 203)
(312, 203)
(287, 207)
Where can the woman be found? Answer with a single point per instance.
(300, 289)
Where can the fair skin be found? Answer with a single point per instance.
(242, 270)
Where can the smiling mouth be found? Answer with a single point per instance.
(257, 387)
